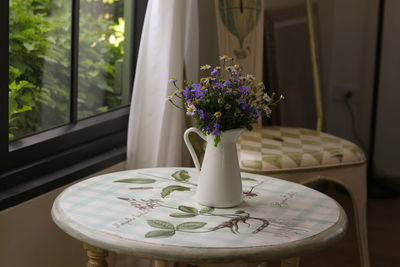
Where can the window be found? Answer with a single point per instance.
(69, 73)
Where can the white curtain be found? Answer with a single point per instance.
(169, 40)
(169, 44)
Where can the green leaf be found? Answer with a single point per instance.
(161, 224)
(190, 225)
(21, 84)
(136, 181)
(23, 109)
(217, 139)
(169, 189)
(182, 215)
(249, 179)
(182, 176)
(188, 209)
(206, 210)
(29, 46)
(159, 233)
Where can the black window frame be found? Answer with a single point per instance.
(43, 161)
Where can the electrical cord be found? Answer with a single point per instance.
(347, 97)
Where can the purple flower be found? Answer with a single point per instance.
(196, 86)
(227, 84)
(219, 85)
(199, 94)
(214, 72)
(216, 129)
(186, 92)
(202, 114)
(243, 89)
(244, 105)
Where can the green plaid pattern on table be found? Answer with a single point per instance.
(158, 206)
(281, 148)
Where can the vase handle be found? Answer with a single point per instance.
(190, 146)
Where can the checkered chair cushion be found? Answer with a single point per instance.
(285, 148)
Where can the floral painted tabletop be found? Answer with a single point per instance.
(152, 213)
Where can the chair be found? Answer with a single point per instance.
(304, 155)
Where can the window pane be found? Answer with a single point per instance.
(103, 72)
(39, 66)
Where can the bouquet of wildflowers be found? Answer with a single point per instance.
(219, 104)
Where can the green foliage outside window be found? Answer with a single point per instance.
(40, 61)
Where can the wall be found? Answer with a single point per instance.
(347, 31)
(388, 118)
(349, 65)
(28, 236)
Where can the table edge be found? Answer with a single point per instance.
(197, 254)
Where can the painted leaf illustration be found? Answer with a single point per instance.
(249, 179)
(183, 215)
(206, 210)
(160, 233)
(190, 225)
(188, 209)
(160, 224)
(136, 181)
(169, 189)
(182, 176)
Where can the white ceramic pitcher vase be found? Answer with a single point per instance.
(220, 183)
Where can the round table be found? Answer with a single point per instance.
(152, 213)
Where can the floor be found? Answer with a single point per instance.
(383, 218)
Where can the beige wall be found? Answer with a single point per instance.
(29, 238)
(388, 116)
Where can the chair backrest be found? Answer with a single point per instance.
(291, 64)
(314, 63)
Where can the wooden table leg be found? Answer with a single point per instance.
(292, 262)
(97, 256)
(159, 263)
